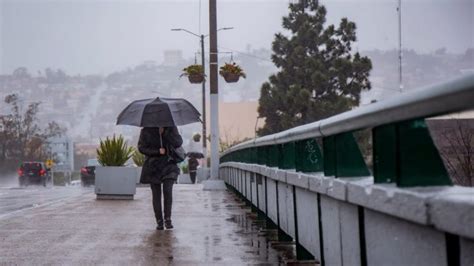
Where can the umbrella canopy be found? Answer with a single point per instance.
(197, 155)
(159, 112)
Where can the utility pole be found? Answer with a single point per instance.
(214, 183)
(400, 80)
(204, 119)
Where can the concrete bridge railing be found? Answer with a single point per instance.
(314, 184)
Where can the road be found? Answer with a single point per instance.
(14, 199)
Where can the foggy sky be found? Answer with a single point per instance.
(92, 36)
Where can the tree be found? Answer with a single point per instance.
(22, 137)
(318, 76)
(455, 141)
(21, 73)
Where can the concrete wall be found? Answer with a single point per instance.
(308, 220)
(261, 192)
(272, 200)
(362, 223)
(414, 244)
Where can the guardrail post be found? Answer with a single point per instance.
(329, 151)
(349, 159)
(404, 153)
(384, 139)
(308, 156)
(419, 161)
(342, 157)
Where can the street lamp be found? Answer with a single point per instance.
(204, 133)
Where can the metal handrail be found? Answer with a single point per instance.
(447, 97)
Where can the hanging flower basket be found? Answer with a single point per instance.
(231, 77)
(196, 78)
(195, 73)
(231, 72)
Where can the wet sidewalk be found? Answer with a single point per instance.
(211, 228)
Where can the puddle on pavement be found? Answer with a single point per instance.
(265, 237)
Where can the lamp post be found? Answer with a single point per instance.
(204, 132)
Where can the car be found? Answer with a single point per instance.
(33, 173)
(88, 173)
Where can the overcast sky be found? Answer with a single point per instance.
(94, 36)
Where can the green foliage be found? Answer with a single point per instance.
(197, 137)
(185, 169)
(319, 75)
(114, 151)
(138, 158)
(193, 70)
(232, 68)
(23, 137)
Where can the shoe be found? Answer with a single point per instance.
(160, 225)
(168, 224)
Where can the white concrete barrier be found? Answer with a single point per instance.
(351, 221)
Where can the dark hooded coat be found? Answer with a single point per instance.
(158, 167)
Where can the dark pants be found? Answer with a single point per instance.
(193, 164)
(168, 199)
(193, 177)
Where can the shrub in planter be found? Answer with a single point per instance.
(185, 169)
(231, 72)
(195, 73)
(138, 158)
(197, 137)
(114, 151)
(113, 180)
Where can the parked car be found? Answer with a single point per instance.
(88, 173)
(33, 173)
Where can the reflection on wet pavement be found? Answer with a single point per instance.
(264, 236)
(211, 228)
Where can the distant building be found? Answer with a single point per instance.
(149, 64)
(173, 57)
(234, 127)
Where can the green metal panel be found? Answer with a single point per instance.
(288, 156)
(308, 156)
(385, 153)
(280, 155)
(266, 152)
(420, 162)
(349, 159)
(273, 154)
(260, 155)
(253, 155)
(329, 151)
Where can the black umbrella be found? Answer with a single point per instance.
(159, 112)
(197, 155)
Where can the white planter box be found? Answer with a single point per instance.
(113, 182)
(139, 173)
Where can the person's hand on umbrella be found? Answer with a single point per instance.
(162, 151)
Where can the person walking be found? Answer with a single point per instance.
(194, 154)
(160, 170)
